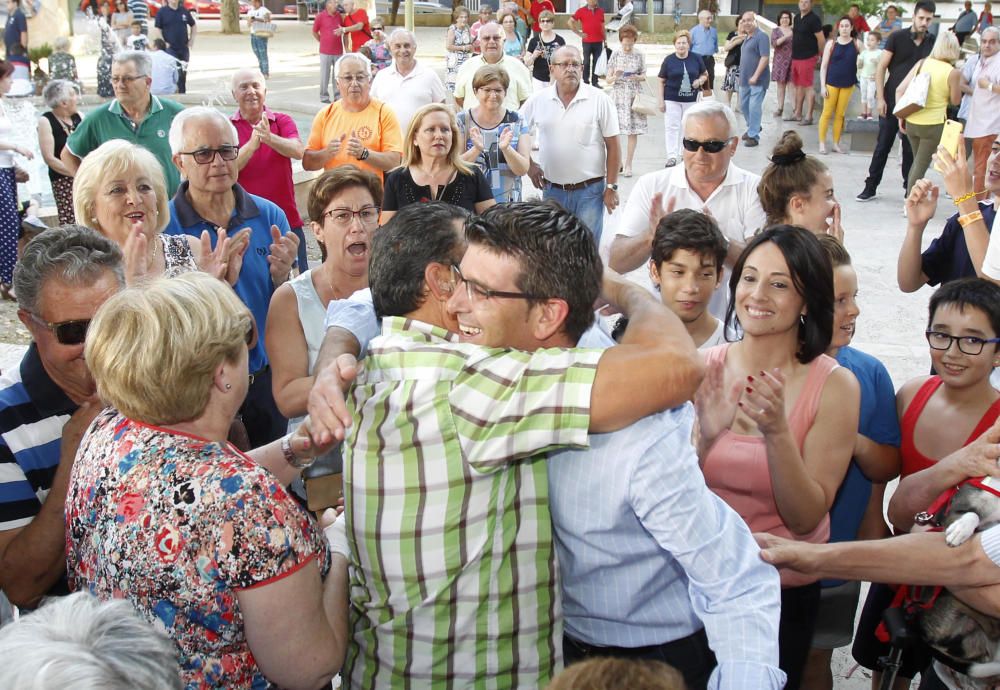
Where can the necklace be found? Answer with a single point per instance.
(68, 127)
(152, 254)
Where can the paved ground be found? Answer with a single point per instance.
(890, 325)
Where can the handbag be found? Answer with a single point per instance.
(265, 30)
(915, 96)
(646, 102)
(601, 66)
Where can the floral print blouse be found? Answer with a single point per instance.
(177, 525)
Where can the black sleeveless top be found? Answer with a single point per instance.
(59, 136)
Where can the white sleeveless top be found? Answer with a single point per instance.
(6, 134)
(312, 313)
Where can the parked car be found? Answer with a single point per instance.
(382, 7)
(203, 8)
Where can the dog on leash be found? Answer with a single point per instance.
(968, 637)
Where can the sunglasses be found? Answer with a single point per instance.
(66, 332)
(712, 146)
(206, 155)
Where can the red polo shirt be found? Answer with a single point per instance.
(268, 173)
(358, 38)
(592, 24)
(325, 24)
(860, 24)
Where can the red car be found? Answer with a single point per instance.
(203, 8)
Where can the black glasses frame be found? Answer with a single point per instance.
(354, 214)
(970, 340)
(710, 146)
(474, 288)
(206, 156)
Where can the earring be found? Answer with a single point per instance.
(229, 386)
(802, 319)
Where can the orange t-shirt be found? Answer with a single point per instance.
(376, 126)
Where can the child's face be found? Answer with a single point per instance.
(845, 305)
(871, 43)
(687, 280)
(956, 368)
(136, 30)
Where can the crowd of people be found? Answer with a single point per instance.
(426, 461)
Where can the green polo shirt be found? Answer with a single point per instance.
(109, 122)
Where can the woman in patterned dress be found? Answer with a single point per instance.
(10, 222)
(202, 539)
(109, 46)
(459, 46)
(120, 192)
(781, 63)
(627, 75)
(54, 127)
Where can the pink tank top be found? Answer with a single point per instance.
(736, 467)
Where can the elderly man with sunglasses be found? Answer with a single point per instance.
(205, 148)
(708, 182)
(47, 402)
(134, 115)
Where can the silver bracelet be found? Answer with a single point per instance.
(291, 458)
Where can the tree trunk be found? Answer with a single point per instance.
(230, 17)
(393, 12)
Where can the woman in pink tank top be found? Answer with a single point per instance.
(777, 418)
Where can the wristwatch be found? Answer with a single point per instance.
(291, 458)
(364, 155)
(613, 187)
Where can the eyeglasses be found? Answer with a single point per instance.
(491, 92)
(66, 332)
(345, 216)
(206, 156)
(544, 21)
(354, 78)
(968, 344)
(713, 146)
(488, 38)
(568, 65)
(478, 293)
(126, 80)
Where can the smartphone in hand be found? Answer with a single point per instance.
(950, 136)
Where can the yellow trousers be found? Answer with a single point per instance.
(835, 106)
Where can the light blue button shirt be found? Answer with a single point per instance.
(704, 41)
(648, 555)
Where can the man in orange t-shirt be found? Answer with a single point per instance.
(357, 129)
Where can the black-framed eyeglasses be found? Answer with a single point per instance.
(967, 344)
(490, 38)
(344, 216)
(206, 156)
(66, 332)
(544, 21)
(126, 80)
(711, 146)
(477, 292)
(568, 64)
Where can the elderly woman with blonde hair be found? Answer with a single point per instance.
(120, 191)
(433, 168)
(202, 539)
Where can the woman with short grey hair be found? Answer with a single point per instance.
(54, 127)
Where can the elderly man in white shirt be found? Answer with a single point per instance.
(707, 182)
(578, 152)
(983, 122)
(491, 38)
(406, 86)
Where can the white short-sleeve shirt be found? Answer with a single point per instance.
(405, 95)
(734, 205)
(991, 262)
(571, 144)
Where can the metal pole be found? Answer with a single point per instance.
(650, 17)
(409, 15)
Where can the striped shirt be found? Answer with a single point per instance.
(33, 411)
(140, 13)
(453, 580)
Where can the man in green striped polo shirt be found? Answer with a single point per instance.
(453, 569)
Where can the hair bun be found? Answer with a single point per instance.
(788, 150)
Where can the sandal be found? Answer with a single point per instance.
(7, 292)
(778, 112)
(627, 172)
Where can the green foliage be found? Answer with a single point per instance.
(833, 9)
(37, 53)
